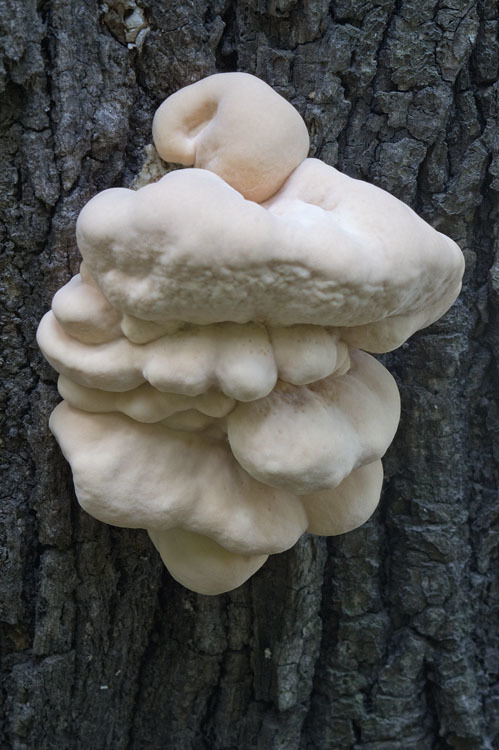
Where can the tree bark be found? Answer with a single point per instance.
(384, 638)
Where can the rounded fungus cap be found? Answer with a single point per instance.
(236, 126)
(191, 248)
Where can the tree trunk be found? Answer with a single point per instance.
(384, 638)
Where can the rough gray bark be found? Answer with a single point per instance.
(385, 638)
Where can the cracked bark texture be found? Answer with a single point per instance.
(385, 638)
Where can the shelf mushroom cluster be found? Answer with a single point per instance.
(212, 350)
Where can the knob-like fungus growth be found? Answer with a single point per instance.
(212, 350)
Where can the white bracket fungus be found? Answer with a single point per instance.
(212, 351)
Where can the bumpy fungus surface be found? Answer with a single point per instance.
(212, 350)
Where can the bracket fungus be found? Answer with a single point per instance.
(213, 351)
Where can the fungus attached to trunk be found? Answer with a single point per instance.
(212, 352)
